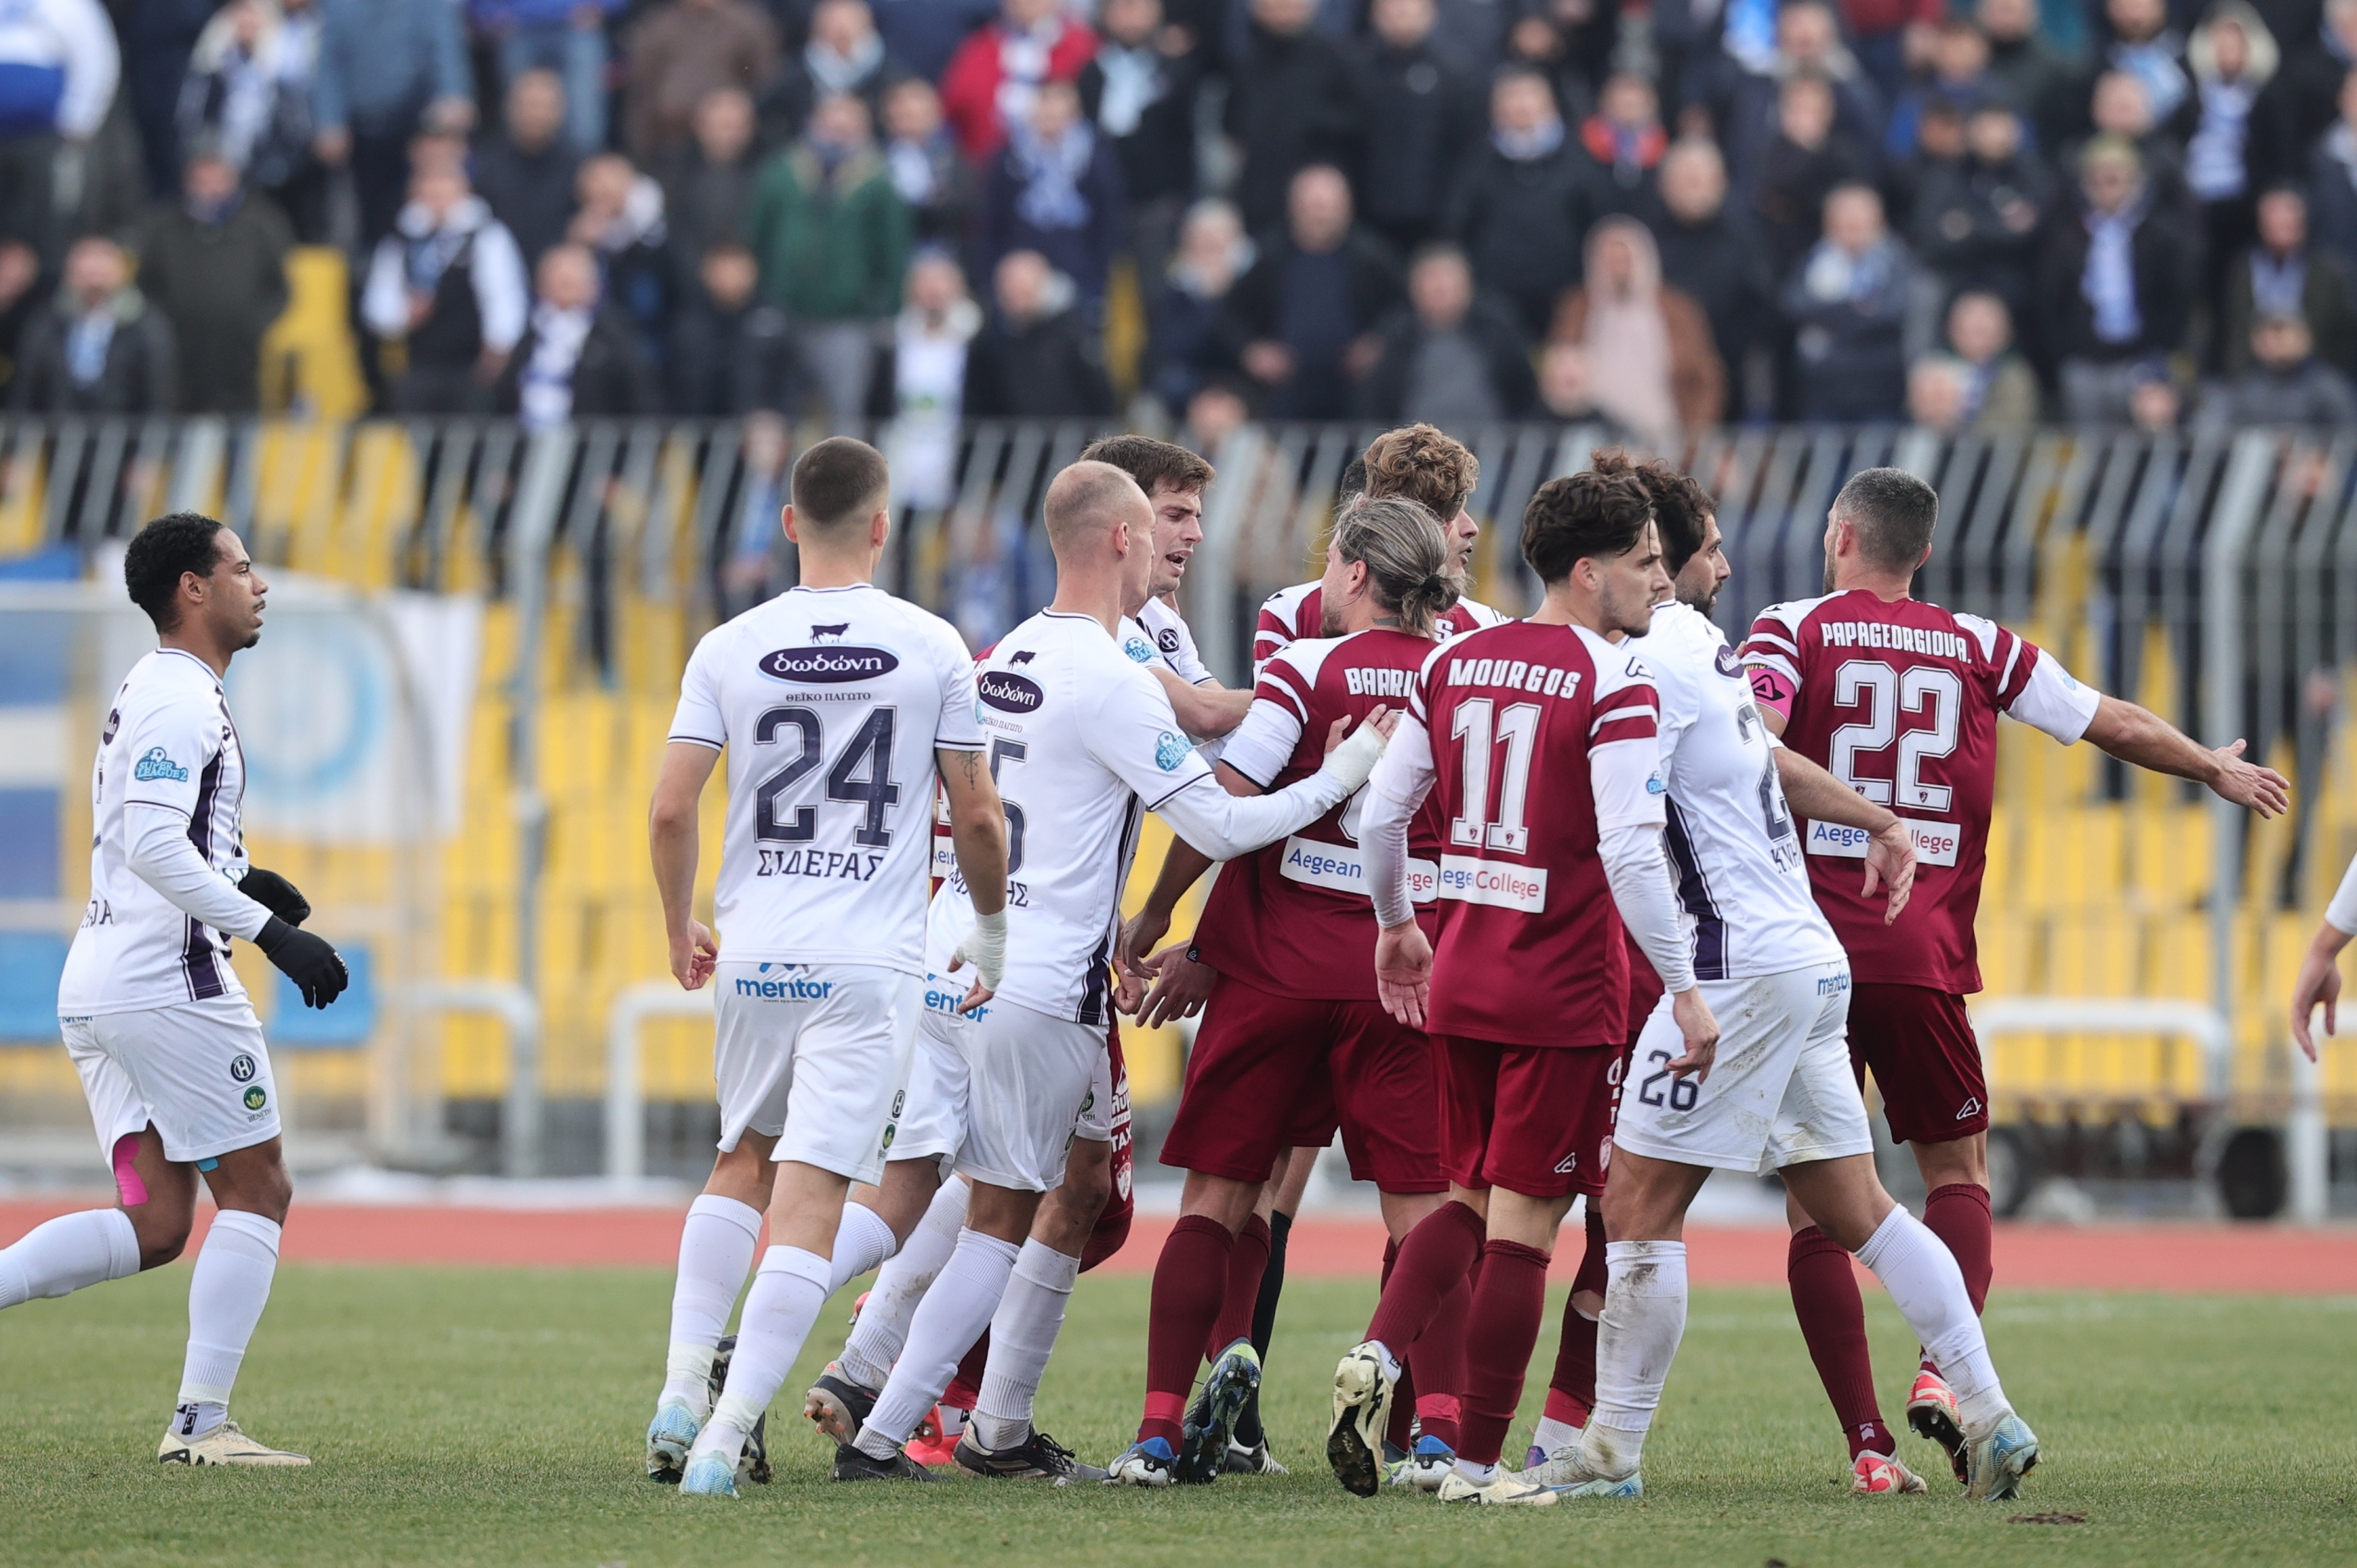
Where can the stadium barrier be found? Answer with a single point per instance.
(625, 1098)
(2213, 577)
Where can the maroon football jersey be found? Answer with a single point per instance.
(1294, 918)
(1900, 700)
(1292, 615)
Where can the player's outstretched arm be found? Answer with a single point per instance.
(2318, 984)
(1817, 795)
(1205, 712)
(2139, 736)
(1222, 826)
(1183, 867)
(672, 838)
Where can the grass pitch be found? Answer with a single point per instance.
(482, 1416)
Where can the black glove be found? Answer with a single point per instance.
(316, 967)
(277, 895)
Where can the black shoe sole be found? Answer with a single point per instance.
(1934, 1425)
(1353, 1465)
(755, 1465)
(1203, 1450)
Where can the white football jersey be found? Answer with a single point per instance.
(1733, 844)
(1174, 641)
(1082, 743)
(830, 702)
(169, 743)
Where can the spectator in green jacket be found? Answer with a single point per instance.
(832, 236)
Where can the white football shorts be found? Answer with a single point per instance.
(1779, 1091)
(814, 1055)
(197, 1070)
(1002, 1093)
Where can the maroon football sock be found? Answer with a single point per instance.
(1499, 1334)
(1434, 1260)
(1437, 1362)
(1833, 1321)
(1189, 1285)
(1958, 1214)
(965, 1390)
(1246, 1262)
(1571, 1392)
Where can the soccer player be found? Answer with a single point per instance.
(1900, 699)
(1534, 743)
(837, 704)
(158, 1027)
(2319, 984)
(1293, 1036)
(1083, 741)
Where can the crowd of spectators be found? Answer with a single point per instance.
(1972, 214)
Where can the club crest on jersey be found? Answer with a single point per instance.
(1010, 693)
(832, 664)
(1728, 665)
(1139, 649)
(1169, 751)
(155, 765)
(242, 1069)
(1169, 639)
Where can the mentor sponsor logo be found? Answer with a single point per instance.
(1010, 693)
(833, 664)
(1936, 843)
(1472, 881)
(784, 988)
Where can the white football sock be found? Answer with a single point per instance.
(60, 1256)
(225, 1295)
(1636, 1339)
(862, 1242)
(715, 1251)
(1553, 1435)
(788, 1292)
(949, 1321)
(1023, 1335)
(1480, 1475)
(1915, 1266)
(883, 1326)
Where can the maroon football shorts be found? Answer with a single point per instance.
(1113, 1223)
(1919, 1045)
(1268, 1071)
(1532, 1119)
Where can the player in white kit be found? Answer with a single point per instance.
(1775, 1093)
(155, 1019)
(838, 704)
(1083, 741)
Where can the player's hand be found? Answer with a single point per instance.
(276, 894)
(1403, 972)
(2319, 985)
(1139, 934)
(695, 953)
(1351, 760)
(1890, 861)
(2249, 785)
(1692, 1015)
(1181, 987)
(984, 947)
(316, 967)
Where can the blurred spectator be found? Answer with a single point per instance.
(991, 79)
(2153, 401)
(756, 566)
(1183, 312)
(728, 351)
(1056, 187)
(1648, 347)
(924, 34)
(2032, 74)
(619, 217)
(1976, 224)
(156, 38)
(1625, 142)
(2115, 285)
(1708, 255)
(1523, 204)
(1939, 153)
(58, 70)
(19, 300)
(1936, 394)
(98, 347)
(1448, 357)
(2284, 384)
(2302, 101)
(1140, 92)
(2144, 45)
(386, 67)
(1217, 411)
(833, 238)
(2122, 107)
(707, 186)
(1534, 42)
(2285, 275)
(567, 36)
(1750, 108)
(845, 54)
(2232, 56)
(1799, 167)
(527, 170)
(449, 284)
(249, 89)
(1884, 33)
(580, 358)
(926, 381)
(1470, 34)
(214, 265)
(682, 49)
(1422, 116)
(1566, 390)
(1299, 323)
(1849, 305)
(1292, 101)
(1959, 78)
(1999, 390)
(1037, 359)
(2332, 182)
(933, 181)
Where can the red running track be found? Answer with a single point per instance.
(2171, 1258)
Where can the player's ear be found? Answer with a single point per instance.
(785, 520)
(879, 528)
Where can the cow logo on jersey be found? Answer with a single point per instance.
(242, 1069)
(256, 1097)
(830, 634)
(1139, 649)
(829, 664)
(1010, 693)
(1169, 751)
(1025, 656)
(155, 765)
(1169, 639)
(1728, 665)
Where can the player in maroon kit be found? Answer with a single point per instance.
(1900, 699)
(1293, 1036)
(1525, 991)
